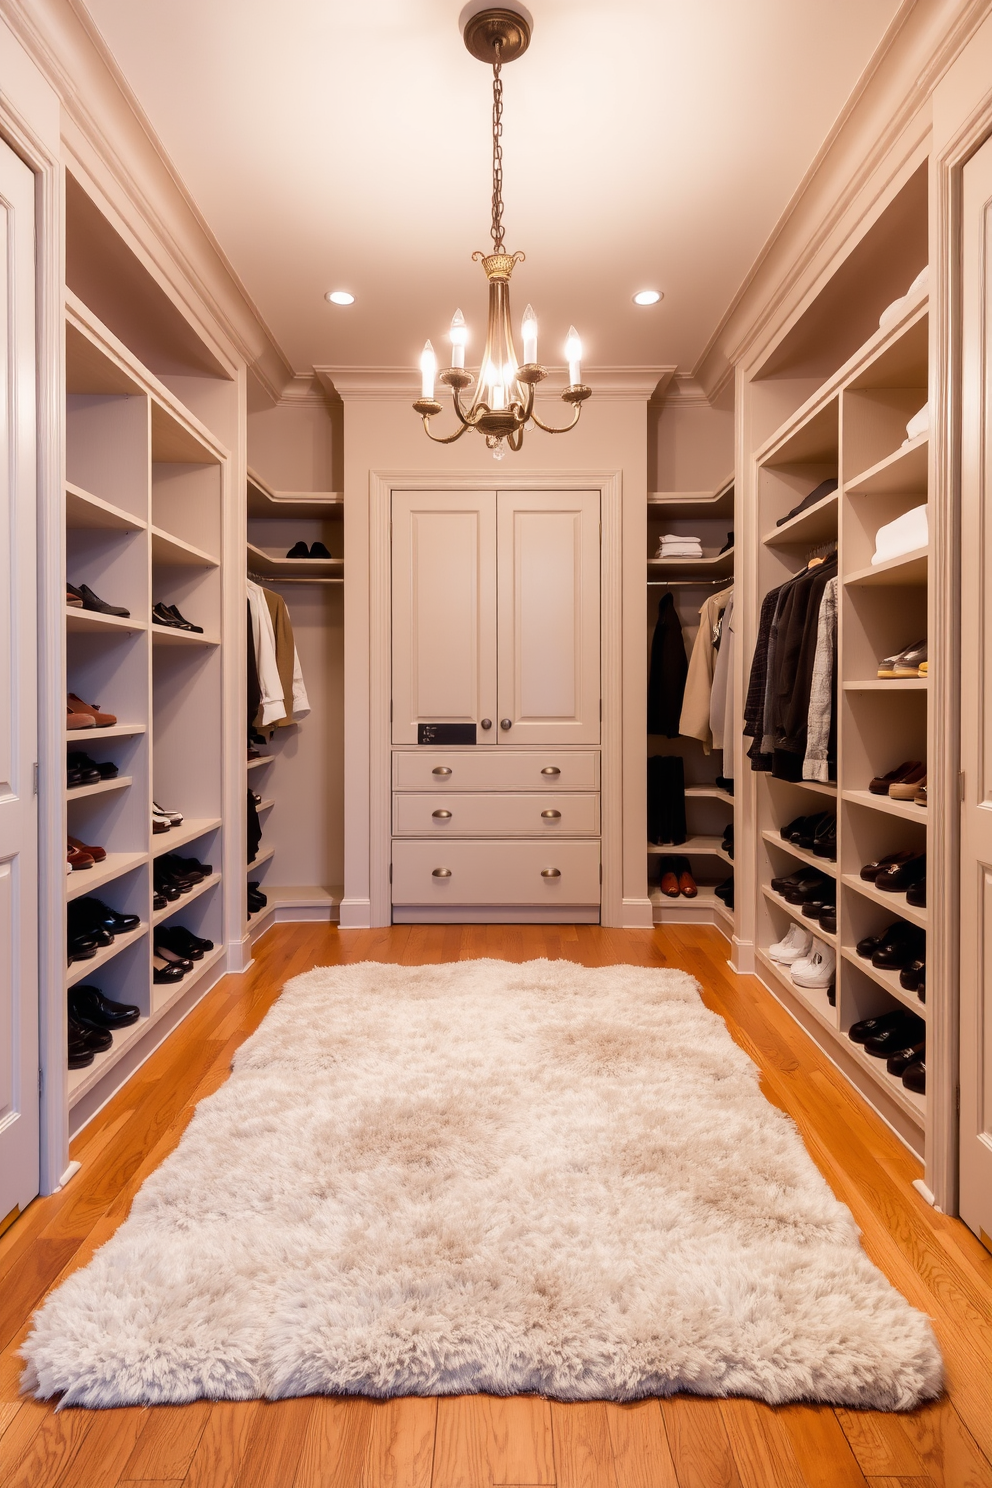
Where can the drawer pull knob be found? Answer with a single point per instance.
(551, 770)
(441, 770)
(551, 873)
(548, 815)
(487, 723)
(444, 815)
(506, 723)
(441, 873)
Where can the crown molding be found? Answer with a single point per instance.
(685, 392)
(303, 389)
(890, 101)
(371, 383)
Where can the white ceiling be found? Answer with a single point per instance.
(647, 143)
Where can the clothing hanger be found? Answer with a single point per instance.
(821, 553)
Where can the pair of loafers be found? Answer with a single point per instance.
(83, 598)
(902, 872)
(80, 715)
(816, 834)
(912, 662)
(315, 550)
(163, 614)
(92, 925)
(93, 1020)
(81, 770)
(676, 878)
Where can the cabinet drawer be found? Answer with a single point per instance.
(492, 769)
(495, 873)
(496, 814)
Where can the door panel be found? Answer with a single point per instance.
(444, 611)
(548, 625)
(19, 1124)
(976, 699)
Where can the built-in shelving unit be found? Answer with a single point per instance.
(852, 428)
(708, 515)
(144, 522)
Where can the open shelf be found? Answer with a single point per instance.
(903, 473)
(705, 900)
(265, 805)
(907, 809)
(795, 912)
(815, 525)
(80, 971)
(293, 506)
(304, 896)
(822, 865)
(814, 998)
(115, 731)
(888, 684)
(256, 764)
(715, 505)
(897, 903)
(908, 568)
(717, 565)
(99, 788)
(172, 550)
(914, 1105)
(174, 906)
(87, 880)
(263, 857)
(887, 979)
(91, 620)
(708, 792)
(166, 995)
(270, 566)
(691, 847)
(83, 509)
(164, 635)
(187, 831)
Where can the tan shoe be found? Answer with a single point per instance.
(921, 793)
(79, 720)
(76, 858)
(102, 720)
(96, 854)
(905, 789)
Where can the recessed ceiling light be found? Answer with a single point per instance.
(339, 297)
(648, 297)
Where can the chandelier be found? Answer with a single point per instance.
(503, 404)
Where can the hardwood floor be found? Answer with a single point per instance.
(475, 1442)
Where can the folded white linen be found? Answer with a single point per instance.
(904, 535)
(918, 424)
(892, 312)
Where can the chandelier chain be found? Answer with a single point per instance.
(497, 227)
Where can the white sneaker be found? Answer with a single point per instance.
(818, 969)
(793, 946)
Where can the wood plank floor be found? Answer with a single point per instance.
(477, 1442)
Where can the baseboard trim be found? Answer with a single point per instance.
(636, 914)
(355, 914)
(561, 915)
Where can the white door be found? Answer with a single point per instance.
(548, 547)
(444, 613)
(976, 700)
(18, 697)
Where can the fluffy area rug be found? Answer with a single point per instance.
(492, 1177)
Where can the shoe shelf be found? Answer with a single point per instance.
(87, 880)
(82, 1081)
(898, 904)
(705, 904)
(270, 565)
(95, 735)
(261, 920)
(903, 473)
(263, 857)
(908, 568)
(100, 788)
(795, 912)
(815, 525)
(256, 764)
(164, 635)
(821, 787)
(887, 684)
(83, 509)
(83, 620)
(187, 831)
(80, 971)
(907, 809)
(887, 979)
(691, 847)
(166, 995)
(179, 554)
(814, 998)
(914, 1105)
(174, 906)
(708, 792)
(822, 865)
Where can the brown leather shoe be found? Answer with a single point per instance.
(96, 854)
(871, 871)
(921, 793)
(79, 720)
(669, 879)
(102, 720)
(880, 785)
(687, 884)
(77, 858)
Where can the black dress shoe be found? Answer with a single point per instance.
(903, 875)
(80, 770)
(793, 826)
(177, 938)
(898, 930)
(159, 900)
(868, 1027)
(97, 1040)
(724, 783)
(814, 885)
(916, 894)
(103, 770)
(814, 909)
(80, 1055)
(825, 840)
(828, 920)
(915, 1077)
(163, 616)
(180, 868)
(164, 972)
(95, 912)
(871, 871)
(100, 606)
(921, 988)
(89, 1007)
(806, 836)
(317, 550)
(173, 958)
(894, 955)
(181, 620)
(82, 948)
(909, 1030)
(899, 1062)
(789, 880)
(912, 974)
(299, 550)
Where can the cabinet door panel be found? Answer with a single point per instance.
(444, 611)
(548, 616)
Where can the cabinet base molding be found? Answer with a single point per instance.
(505, 915)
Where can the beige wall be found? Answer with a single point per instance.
(691, 448)
(384, 435)
(295, 447)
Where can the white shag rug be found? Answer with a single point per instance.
(485, 1176)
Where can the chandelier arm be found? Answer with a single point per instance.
(565, 427)
(516, 439)
(450, 438)
(467, 420)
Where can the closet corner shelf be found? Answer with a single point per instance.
(266, 805)
(176, 905)
(813, 998)
(822, 865)
(83, 620)
(716, 566)
(914, 1105)
(815, 525)
(83, 792)
(94, 735)
(908, 568)
(177, 437)
(267, 565)
(172, 550)
(83, 509)
(887, 979)
(907, 809)
(708, 792)
(691, 847)
(903, 473)
(305, 896)
(795, 912)
(701, 505)
(705, 901)
(888, 684)
(88, 880)
(895, 902)
(164, 635)
(263, 857)
(80, 971)
(187, 831)
(265, 759)
(293, 506)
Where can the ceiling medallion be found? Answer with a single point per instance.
(504, 397)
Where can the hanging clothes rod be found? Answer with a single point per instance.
(289, 579)
(688, 583)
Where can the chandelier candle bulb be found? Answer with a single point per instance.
(528, 328)
(459, 338)
(573, 355)
(428, 367)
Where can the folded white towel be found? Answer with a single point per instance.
(904, 535)
(680, 550)
(922, 281)
(892, 312)
(918, 424)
